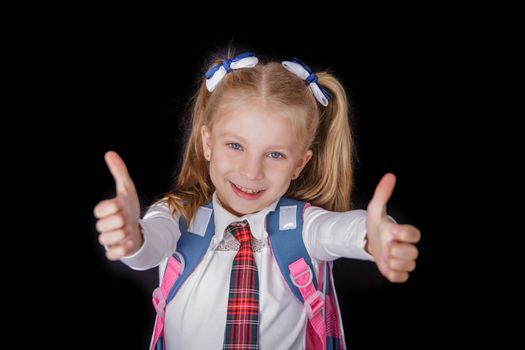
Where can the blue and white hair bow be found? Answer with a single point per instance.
(216, 73)
(304, 72)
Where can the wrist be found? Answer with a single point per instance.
(138, 241)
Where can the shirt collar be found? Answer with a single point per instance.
(223, 218)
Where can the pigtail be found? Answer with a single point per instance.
(327, 179)
(193, 187)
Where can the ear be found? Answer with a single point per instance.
(301, 163)
(206, 141)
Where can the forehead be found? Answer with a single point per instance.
(261, 120)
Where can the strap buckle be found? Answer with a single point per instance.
(299, 275)
(314, 304)
(159, 302)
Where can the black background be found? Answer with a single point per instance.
(125, 88)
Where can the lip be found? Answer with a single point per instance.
(245, 195)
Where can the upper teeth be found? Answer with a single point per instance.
(247, 190)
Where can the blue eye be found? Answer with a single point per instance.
(276, 155)
(234, 145)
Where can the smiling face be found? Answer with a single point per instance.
(254, 154)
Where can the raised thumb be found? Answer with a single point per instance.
(118, 169)
(382, 194)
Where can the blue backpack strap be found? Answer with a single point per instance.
(192, 246)
(287, 239)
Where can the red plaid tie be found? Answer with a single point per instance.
(242, 322)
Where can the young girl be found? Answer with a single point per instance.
(265, 140)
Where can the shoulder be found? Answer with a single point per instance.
(287, 203)
(313, 213)
(161, 209)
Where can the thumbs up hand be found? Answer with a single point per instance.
(118, 218)
(392, 245)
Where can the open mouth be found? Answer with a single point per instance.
(246, 193)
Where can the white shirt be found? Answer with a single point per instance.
(196, 317)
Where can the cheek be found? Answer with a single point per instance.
(217, 173)
(279, 172)
(220, 161)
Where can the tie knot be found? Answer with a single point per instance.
(241, 231)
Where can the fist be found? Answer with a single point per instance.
(392, 245)
(118, 218)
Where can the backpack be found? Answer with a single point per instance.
(284, 226)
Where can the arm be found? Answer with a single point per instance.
(161, 233)
(370, 235)
(330, 235)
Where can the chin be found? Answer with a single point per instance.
(244, 210)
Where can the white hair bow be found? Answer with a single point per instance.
(305, 73)
(216, 73)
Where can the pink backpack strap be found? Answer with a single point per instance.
(302, 277)
(334, 328)
(191, 248)
(173, 271)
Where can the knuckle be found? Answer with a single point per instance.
(415, 252)
(128, 247)
(398, 277)
(110, 254)
(127, 230)
(114, 253)
(116, 205)
(98, 211)
(122, 220)
(392, 276)
(99, 226)
(102, 239)
(394, 250)
(396, 264)
(403, 265)
(403, 277)
(119, 221)
(112, 237)
(120, 234)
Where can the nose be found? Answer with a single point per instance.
(252, 168)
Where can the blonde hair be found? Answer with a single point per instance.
(326, 181)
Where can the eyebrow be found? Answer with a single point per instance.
(242, 139)
(238, 137)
